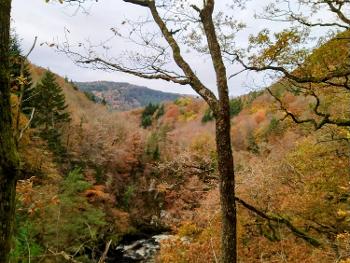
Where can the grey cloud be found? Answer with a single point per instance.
(48, 21)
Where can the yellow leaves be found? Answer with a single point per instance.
(341, 213)
(32, 199)
(281, 50)
(188, 116)
(203, 144)
(184, 101)
(162, 187)
(22, 80)
(343, 236)
(343, 245)
(189, 229)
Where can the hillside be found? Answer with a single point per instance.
(125, 96)
(118, 183)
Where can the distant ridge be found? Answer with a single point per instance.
(125, 96)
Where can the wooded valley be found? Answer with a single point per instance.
(96, 173)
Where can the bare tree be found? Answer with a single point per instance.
(9, 160)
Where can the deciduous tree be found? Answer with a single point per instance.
(323, 24)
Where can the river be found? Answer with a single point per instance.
(142, 249)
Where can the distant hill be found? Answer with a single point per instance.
(125, 96)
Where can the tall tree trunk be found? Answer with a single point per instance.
(9, 160)
(227, 185)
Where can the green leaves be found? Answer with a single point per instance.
(149, 111)
(236, 106)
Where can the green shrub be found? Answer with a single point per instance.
(147, 114)
(91, 96)
(208, 116)
(160, 111)
(252, 144)
(146, 121)
(236, 106)
(71, 224)
(127, 196)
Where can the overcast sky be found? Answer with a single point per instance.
(48, 21)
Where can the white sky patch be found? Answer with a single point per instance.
(48, 22)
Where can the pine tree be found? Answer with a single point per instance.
(51, 111)
(50, 103)
(16, 59)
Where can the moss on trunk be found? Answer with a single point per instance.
(9, 160)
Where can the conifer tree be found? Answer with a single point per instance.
(50, 103)
(16, 60)
(51, 111)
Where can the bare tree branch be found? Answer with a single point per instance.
(281, 220)
(27, 126)
(325, 117)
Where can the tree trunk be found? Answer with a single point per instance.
(9, 160)
(227, 185)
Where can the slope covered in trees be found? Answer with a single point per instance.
(125, 96)
(90, 180)
(120, 179)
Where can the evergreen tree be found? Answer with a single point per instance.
(147, 114)
(50, 113)
(208, 116)
(236, 106)
(50, 103)
(16, 59)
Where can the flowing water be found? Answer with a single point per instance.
(142, 250)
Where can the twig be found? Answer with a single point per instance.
(19, 104)
(212, 248)
(104, 255)
(28, 247)
(27, 125)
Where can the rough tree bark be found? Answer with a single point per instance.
(223, 141)
(9, 160)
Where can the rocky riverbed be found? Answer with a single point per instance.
(143, 250)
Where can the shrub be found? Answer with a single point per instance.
(236, 106)
(147, 114)
(127, 196)
(146, 121)
(208, 116)
(91, 96)
(64, 221)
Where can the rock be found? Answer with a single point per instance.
(143, 250)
